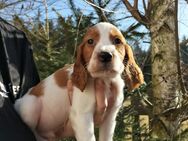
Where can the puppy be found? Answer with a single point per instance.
(104, 55)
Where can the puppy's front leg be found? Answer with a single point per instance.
(83, 127)
(106, 130)
(81, 116)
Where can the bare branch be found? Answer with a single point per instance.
(149, 6)
(144, 5)
(100, 11)
(107, 2)
(77, 34)
(135, 12)
(47, 22)
(135, 4)
(10, 4)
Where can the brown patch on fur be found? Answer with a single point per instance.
(87, 51)
(114, 33)
(61, 77)
(38, 90)
(84, 53)
(133, 74)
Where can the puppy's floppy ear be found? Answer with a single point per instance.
(133, 74)
(80, 74)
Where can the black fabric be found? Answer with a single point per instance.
(18, 73)
(19, 59)
(11, 126)
(5, 75)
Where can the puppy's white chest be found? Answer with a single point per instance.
(83, 102)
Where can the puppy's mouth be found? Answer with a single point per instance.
(104, 73)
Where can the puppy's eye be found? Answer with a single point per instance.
(90, 41)
(117, 41)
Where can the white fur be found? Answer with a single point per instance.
(105, 45)
(52, 111)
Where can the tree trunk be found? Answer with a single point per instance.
(164, 68)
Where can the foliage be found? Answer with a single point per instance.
(54, 49)
(184, 50)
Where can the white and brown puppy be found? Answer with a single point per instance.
(103, 54)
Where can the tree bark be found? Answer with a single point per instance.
(164, 68)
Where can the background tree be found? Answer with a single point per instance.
(161, 20)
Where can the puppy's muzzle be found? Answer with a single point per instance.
(105, 57)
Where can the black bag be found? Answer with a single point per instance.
(18, 73)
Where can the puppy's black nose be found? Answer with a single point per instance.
(105, 57)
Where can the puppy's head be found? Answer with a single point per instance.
(104, 53)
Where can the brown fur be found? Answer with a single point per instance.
(120, 48)
(85, 50)
(61, 77)
(133, 74)
(38, 90)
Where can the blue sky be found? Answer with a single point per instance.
(182, 15)
(183, 19)
(63, 7)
